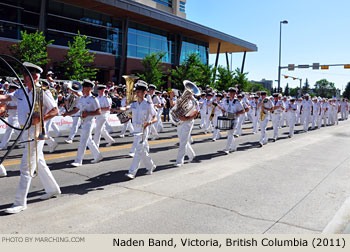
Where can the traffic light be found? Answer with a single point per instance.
(324, 67)
(286, 76)
(346, 66)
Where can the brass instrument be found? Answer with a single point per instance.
(262, 112)
(71, 102)
(130, 94)
(186, 104)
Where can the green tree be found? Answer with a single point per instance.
(306, 87)
(190, 69)
(324, 88)
(225, 78)
(346, 93)
(153, 69)
(294, 92)
(240, 79)
(32, 48)
(207, 76)
(76, 63)
(255, 87)
(286, 90)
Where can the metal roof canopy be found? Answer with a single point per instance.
(157, 18)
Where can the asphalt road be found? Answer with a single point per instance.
(290, 186)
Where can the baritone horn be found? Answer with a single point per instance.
(130, 93)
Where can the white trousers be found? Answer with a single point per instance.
(315, 120)
(276, 119)
(45, 175)
(241, 119)
(255, 123)
(100, 130)
(231, 143)
(51, 141)
(159, 123)
(306, 119)
(141, 154)
(263, 125)
(284, 119)
(216, 133)
(291, 116)
(13, 120)
(127, 126)
(207, 122)
(86, 140)
(75, 127)
(184, 132)
(202, 112)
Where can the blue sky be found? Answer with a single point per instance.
(318, 31)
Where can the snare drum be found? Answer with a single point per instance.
(224, 123)
(123, 117)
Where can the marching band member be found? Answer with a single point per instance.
(284, 114)
(11, 108)
(232, 107)
(299, 117)
(208, 110)
(276, 115)
(330, 112)
(316, 113)
(343, 108)
(153, 98)
(265, 106)
(89, 107)
(51, 142)
(254, 113)
(241, 117)
(202, 110)
(219, 108)
(291, 111)
(323, 116)
(306, 110)
(128, 125)
(159, 124)
(184, 132)
(32, 147)
(75, 90)
(144, 115)
(101, 119)
(107, 124)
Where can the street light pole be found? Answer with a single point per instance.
(279, 63)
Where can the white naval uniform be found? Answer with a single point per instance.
(316, 114)
(107, 124)
(276, 117)
(155, 101)
(202, 112)
(284, 117)
(141, 113)
(263, 124)
(89, 104)
(299, 116)
(13, 120)
(184, 132)
(217, 113)
(241, 119)
(291, 116)
(100, 129)
(306, 113)
(254, 114)
(330, 113)
(127, 125)
(323, 116)
(51, 142)
(232, 106)
(45, 175)
(76, 122)
(159, 123)
(208, 108)
(343, 107)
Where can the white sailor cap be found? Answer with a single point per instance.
(141, 85)
(32, 67)
(152, 86)
(49, 72)
(87, 82)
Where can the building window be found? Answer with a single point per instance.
(143, 41)
(102, 30)
(182, 6)
(190, 46)
(168, 3)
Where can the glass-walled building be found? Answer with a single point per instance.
(120, 36)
